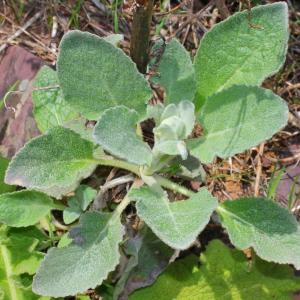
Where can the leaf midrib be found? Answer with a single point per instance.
(222, 132)
(9, 272)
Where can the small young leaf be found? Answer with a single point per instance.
(50, 109)
(78, 203)
(175, 72)
(236, 119)
(273, 233)
(4, 188)
(248, 55)
(94, 76)
(179, 223)
(83, 264)
(115, 132)
(24, 208)
(174, 125)
(223, 274)
(53, 163)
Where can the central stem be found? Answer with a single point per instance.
(164, 182)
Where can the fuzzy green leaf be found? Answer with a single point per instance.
(115, 132)
(270, 229)
(86, 262)
(4, 188)
(53, 163)
(18, 260)
(246, 55)
(24, 208)
(80, 126)
(223, 274)
(174, 124)
(179, 223)
(236, 119)
(94, 76)
(175, 73)
(50, 109)
(78, 203)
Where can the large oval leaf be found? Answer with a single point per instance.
(84, 264)
(94, 75)
(175, 72)
(53, 163)
(236, 119)
(24, 208)
(179, 223)
(233, 52)
(273, 233)
(115, 132)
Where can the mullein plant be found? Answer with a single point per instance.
(95, 80)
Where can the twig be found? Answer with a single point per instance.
(170, 11)
(117, 181)
(286, 159)
(109, 185)
(195, 37)
(222, 8)
(258, 169)
(186, 34)
(139, 45)
(295, 121)
(21, 30)
(290, 87)
(192, 17)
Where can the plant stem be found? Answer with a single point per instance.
(135, 169)
(59, 205)
(168, 184)
(119, 164)
(46, 224)
(122, 206)
(139, 46)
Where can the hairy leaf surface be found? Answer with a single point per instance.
(247, 55)
(236, 119)
(115, 132)
(86, 262)
(179, 223)
(270, 229)
(223, 274)
(53, 163)
(94, 75)
(175, 72)
(24, 208)
(50, 109)
(4, 188)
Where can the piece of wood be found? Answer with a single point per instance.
(140, 36)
